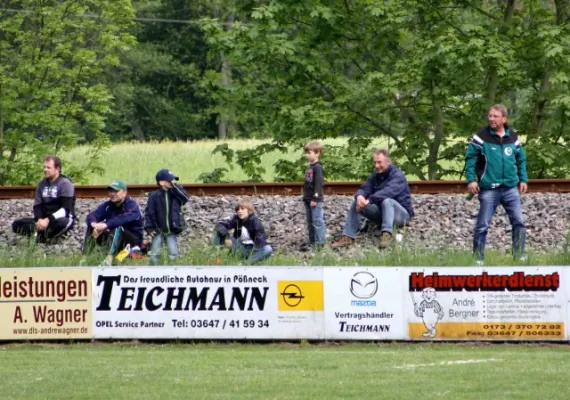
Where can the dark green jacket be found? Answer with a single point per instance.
(495, 161)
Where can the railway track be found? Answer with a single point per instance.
(285, 188)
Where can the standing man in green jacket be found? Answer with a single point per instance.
(495, 165)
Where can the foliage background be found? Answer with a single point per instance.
(418, 74)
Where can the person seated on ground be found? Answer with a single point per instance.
(383, 199)
(54, 205)
(116, 223)
(248, 239)
(163, 215)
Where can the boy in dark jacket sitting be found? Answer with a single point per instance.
(163, 215)
(248, 239)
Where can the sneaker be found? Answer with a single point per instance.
(385, 240)
(344, 241)
(479, 263)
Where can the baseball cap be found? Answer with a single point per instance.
(166, 175)
(117, 184)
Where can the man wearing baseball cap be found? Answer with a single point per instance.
(115, 223)
(163, 215)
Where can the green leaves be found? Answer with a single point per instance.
(53, 54)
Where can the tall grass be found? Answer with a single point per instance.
(137, 163)
(29, 255)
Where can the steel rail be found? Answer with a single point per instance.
(284, 188)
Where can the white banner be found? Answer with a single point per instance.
(485, 304)
(363, 304)
(208, 303)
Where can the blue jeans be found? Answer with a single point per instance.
(390, 214)
(247, 252)
(315, 223)
(156, 247)
(511, 201)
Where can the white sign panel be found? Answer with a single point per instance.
(208, 303)
(363, 304)
(485, 304)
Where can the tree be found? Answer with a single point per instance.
(421, 73)
(52, 57)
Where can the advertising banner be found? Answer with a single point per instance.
(45, 303)
(363, 304)
(208, 303)
(485, 304)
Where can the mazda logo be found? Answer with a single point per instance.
(363, 285)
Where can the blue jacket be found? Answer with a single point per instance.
(251, 223)
(391, 184)
(163, 212)
(128, 215)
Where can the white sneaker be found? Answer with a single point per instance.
(479, 263)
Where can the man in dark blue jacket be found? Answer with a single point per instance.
(116, 223)
(384, 199)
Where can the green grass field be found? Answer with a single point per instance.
(284, 371)
(137, 163)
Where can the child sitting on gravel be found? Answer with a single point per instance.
(248, 240)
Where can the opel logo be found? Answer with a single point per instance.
(292, 295)
(363, 285)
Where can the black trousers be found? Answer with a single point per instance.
(114, 240)
(27, 227)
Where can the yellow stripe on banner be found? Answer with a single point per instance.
(300, 295)
(487, 330)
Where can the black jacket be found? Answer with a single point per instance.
(163, 212)
(314, 183)
(55, 199)
(252, 224)
(391, 184)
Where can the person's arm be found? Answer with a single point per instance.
(471, 157)
(394, 186)
(520, 160)
(98, 214)
(319, 182)
(224, 226)
(258, 234)
(67, 197)
(38, 203)
(180, 193)
(149, 217)
(132, 213)
(366, 188)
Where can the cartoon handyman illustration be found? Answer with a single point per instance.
(429, 310)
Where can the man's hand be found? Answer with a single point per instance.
(313, 204)
(98, 228)
(152, 233)
(473, 188)
(361, 202)
(228, 243)
(523, 187)
(42, 224)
